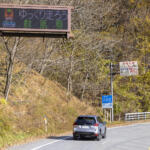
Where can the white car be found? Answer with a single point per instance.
(89, 126)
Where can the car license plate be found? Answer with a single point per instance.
(85, 127)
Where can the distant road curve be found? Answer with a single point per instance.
(131, 137)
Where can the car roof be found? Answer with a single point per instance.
(94, 116)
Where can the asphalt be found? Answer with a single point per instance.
(132, 137)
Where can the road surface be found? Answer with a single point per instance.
(132, 137)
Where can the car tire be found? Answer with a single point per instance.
(104, 136)
(99, 137)
(75, 137)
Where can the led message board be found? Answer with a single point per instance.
(35, 18)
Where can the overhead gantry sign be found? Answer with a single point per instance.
(35, 20)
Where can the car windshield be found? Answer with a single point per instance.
(85, 121)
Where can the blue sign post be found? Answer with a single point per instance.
(107, 101)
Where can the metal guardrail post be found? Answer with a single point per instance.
(125, 117)
(138, 116)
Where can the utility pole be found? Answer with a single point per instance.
(111, 86)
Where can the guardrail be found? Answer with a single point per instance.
(137, 116)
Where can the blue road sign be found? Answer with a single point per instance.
(107, 101)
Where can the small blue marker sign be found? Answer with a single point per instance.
(107, 101)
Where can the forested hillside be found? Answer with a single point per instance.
(46, 72)
(104, 31)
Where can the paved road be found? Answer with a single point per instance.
(133, 137)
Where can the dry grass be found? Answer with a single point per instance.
(32, 97)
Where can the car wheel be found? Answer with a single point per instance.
(99, 137)
(104, 136)
(75, 137)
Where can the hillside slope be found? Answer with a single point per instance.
(33, 98)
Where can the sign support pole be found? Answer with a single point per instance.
(110, 116)
(111, 86)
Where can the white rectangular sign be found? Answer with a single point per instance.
(128, 68)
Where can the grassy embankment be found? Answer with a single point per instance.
(31, 98)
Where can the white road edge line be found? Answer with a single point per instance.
(36, 148)
(132, 125)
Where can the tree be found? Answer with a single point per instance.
(11, 51)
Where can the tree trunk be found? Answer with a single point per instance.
(11, 54)
(69, 90)
(84, 86)
(46, 56)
